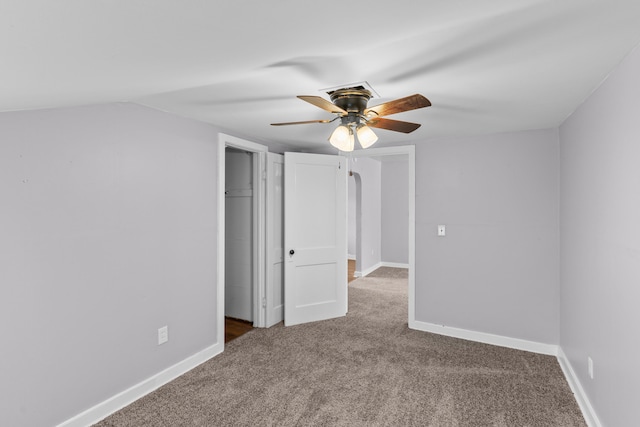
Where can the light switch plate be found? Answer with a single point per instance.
(441, 230)
(163, 335)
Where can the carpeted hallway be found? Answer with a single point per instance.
(365, 369)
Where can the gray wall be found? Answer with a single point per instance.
(394, 193)
(497, 269)
(370, 175)
(600, 240)
(108, 232)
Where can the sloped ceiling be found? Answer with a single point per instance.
(487, 66)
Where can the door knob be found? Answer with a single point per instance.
(291, 252)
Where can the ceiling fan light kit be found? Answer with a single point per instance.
(343, 137)
(350, 106)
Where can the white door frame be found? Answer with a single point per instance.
(410, 151)
(258, 243)
(274, 254)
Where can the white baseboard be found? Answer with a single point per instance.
(367, 271)
(588, 412)
(516, 343)
(351, 257)
(377, 266)
(126, 397)
(394, 264)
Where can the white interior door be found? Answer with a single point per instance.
(315, 239)
(274, 299)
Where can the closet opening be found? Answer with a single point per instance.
(239, 242)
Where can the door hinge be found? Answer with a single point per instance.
(264, 175)
(264, 303)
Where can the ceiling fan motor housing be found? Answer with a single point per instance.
(353, 101)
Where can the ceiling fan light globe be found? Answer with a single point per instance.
(342, 138)
(366, 136)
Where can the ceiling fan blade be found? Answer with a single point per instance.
(407, 103)
(395, 125)
(301, 123)
(322, 103)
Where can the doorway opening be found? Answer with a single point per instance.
(239, 230)
(403, 253)
(239, 242)
(241, 217)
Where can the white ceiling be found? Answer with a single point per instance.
(487, 66)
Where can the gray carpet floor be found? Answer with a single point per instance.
(365, 369)
(390, 273)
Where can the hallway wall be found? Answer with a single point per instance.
(394, 217)
(370, 175)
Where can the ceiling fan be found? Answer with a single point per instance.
(350, 106)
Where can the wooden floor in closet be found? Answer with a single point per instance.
(233, 328)
(351, 270)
